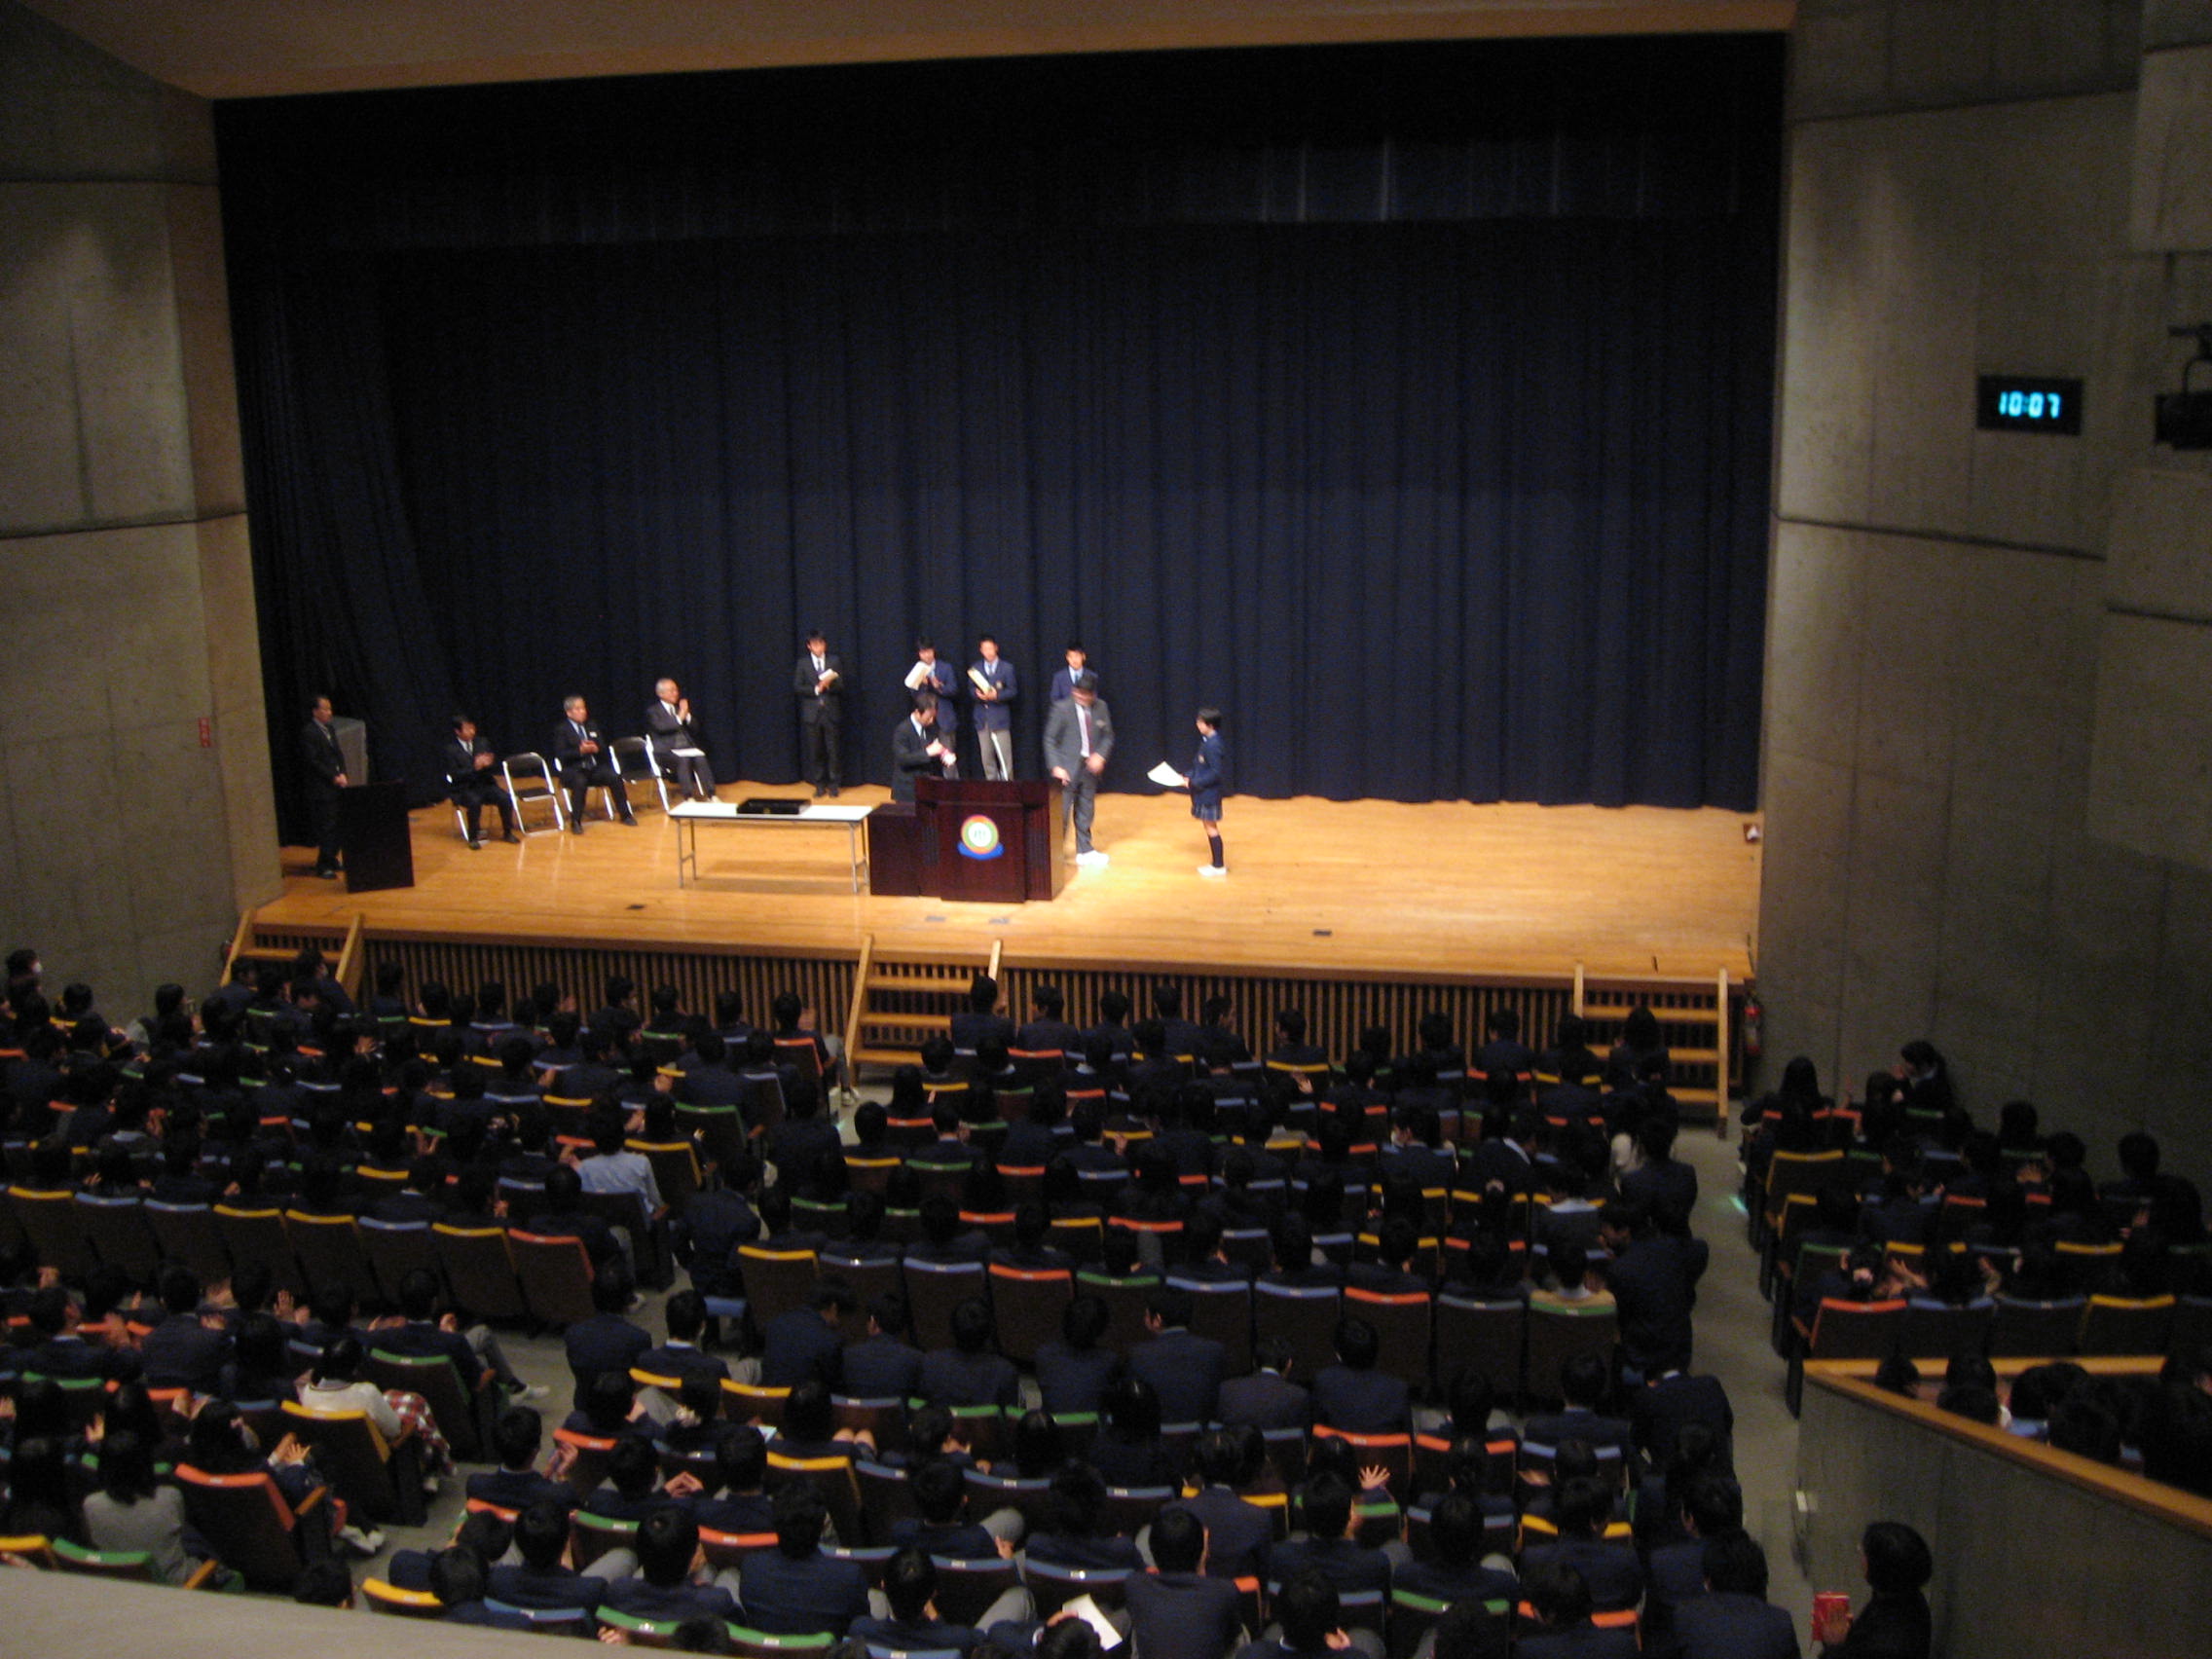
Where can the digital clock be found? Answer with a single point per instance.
(2016, 403)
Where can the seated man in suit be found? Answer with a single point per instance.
(908, 1619)
(807, 1343)
(1187, 1607)
(968, 1372)
(1237, 1532)
(470, 765)
(1452, 1571)
(516, 1482)
(664, 1588)
(685, 1314)
(1562, 1629)
(916, 748)
(1610, 1573)
(1351, 1395)
(674, 740)
(1734, 1620)
(1309, 1623)
(182, 1351)
(580, 753)
(1267, 1398)
(1582, 1380)
(1330, 1542)
(605, 1340)
(883, 1365)
(795, 1589)
(1184, 1369)
(543, 1580)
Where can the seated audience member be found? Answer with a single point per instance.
(133, 1509)
(1667, 1403)
(1237, 1532)
(605, 1340)
(883, 1365)
(968, 1372)
(1894, 1623)
(543, 1580)
(1185, 1608)
(457, 1580)
(664, 1589)
(1328, 1541)
(182, 1350)
(795, 1589)
(1072, 1534)
(1267, 1398)
(1185, 1370)
(1126, 1450)
(1582, 1384)
(809, 1429)
(1073, 1369)
(685, 1314)
(1351, 1395)
(1609, 1572)
(1712, 1506)
(1573, 1282)
(1452, 1569)
(740, 1504)
(803, 1343)
(561, 1214)
(324, 1583)
(516, 1482)
(1733, 1619)
(1309, 1623)
(632, 1488)
(1563, 1629)
(939, 1491)
(909, 1617)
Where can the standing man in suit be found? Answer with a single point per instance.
(326, 765)
(468, 775)
(579, 750)
(1079, 736)
(993, 683)
(930, 675)
(1064, 678)
(915, 747)
(669, 729)
(818, 682)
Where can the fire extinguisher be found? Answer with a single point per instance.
(1755, 1019)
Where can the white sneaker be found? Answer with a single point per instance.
(1216, 871)
(363, 1543)
(1094, 857)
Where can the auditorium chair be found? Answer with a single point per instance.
(1790, 1173)
(329, 1251)
(588, 1456)
(395, 1249)
(988, 1491)
(251, 1528)
(729, 1549)
(639, 1633)
(2086, 1267)
(1485, 1334)
(1404, 1324)
(1559, 1333)
(56, 1228)
(869, 1277)
(379, 1480)
(1843, 1330)
(886, 1497)
(1392, 1452)
(576, 1621)
(649, 1247)
(1939, 1332)
(459, 1404)
(257, 1236)
(379, 1596)
(747, 1644)
(934, 1289)
(966, 1589)
(1125, 1297)
(555, 1274)
(479, 1270)
(2023, 1329)
(591, 1536)
(675, 1170)
(1222, 1311)
(528, 780)
(121, 1235)
(1053, 1586)
(833, 1477)
(1128, 1510)
(128, 1565)
(1303, 1315)
(1082, 1236)
(752, 1402)
(721, 1134)
(2122, 1324)
(1028, 1305)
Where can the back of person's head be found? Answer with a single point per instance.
(516, 1437)
(1560, 1595)
(1735, 1565)
(1714, 1504)
(1293, 1243)
(542, 1534)
(808, 1412)
(1307, 1608)
(1085, 1322)
(456, 1576)
(1169, 1305)
(1131, 1408)
(909, 1582)
(1582, 1507)
(801, 1518)
(1325, 1501)
(971, 1325)
(1078, 1501)
(939, 1489)
(1178, 1541)
(1897, 1561)
(2084, 1427)
(1039, 1446)
(1218, 1458)
(1582, 1379)
(325, 1582)
(1972, 1401)
(1358, 1344)
(179, 1288)
(741, 1459)
(1455, 1530)
(341, 1359)
(2039, 1391)
(1471, 1631)
(127, 1468)
(612, 1288)
(667, 1541)
(1067, 1639)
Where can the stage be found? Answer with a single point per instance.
(1316, 889)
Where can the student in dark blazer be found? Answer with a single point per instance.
(668, 726)
(934, 675)
(992, 686)
(1267, 1398)
(818, 682)
(1351, 1395)
(579, 751)
(882, 1365)
(469, 766)
(325, 766)
(916, 748)
(1208, 768)
(1187, 1607)
(1182, 1368)
(1073, 1369)
(1237, 1533)
(1733, 1619)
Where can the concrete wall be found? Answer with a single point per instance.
(1950, 636)
(128, 844)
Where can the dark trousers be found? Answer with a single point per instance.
(579, 776)
(323, 803)
(689, 773)
(473, 794)
(818, 744)
(1081, 792)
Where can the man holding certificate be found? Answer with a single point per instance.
(936, 678)
(992, 683)
(819, 684)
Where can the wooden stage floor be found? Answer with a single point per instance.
(1316, 888)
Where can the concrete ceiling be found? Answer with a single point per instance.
(222, 49)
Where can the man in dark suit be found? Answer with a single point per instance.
(805, 1343)
(915, 747)
(1659, 1409)
(882, 1365)
(1734, 1620)
(1582, 1382)
(1187, 1608)
(966, 1373)
(818, 682)
(1609, 1571)
(543, 1580)
(181, 1352)
(579, 751)
(1267, 1399)
(605, 1340)
(1184, 1369)
(326, 765)
(1078, 738)
(1049, 1030)
(795, 1589)
(1653, 1280)
(669, 730)
(470, 763)
(1351, 1395)
(1237, 1533)
(932, 673)
(993, 686)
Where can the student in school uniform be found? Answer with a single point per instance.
(1203, 781)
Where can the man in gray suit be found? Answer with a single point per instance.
(1079, 736)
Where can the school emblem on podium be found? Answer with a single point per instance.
(979, 838)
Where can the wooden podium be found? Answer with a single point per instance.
(997, 843)
(373, 837)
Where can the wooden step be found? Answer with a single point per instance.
(875, 1018)
(880, 981)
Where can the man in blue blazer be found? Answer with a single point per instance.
(993, 686)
